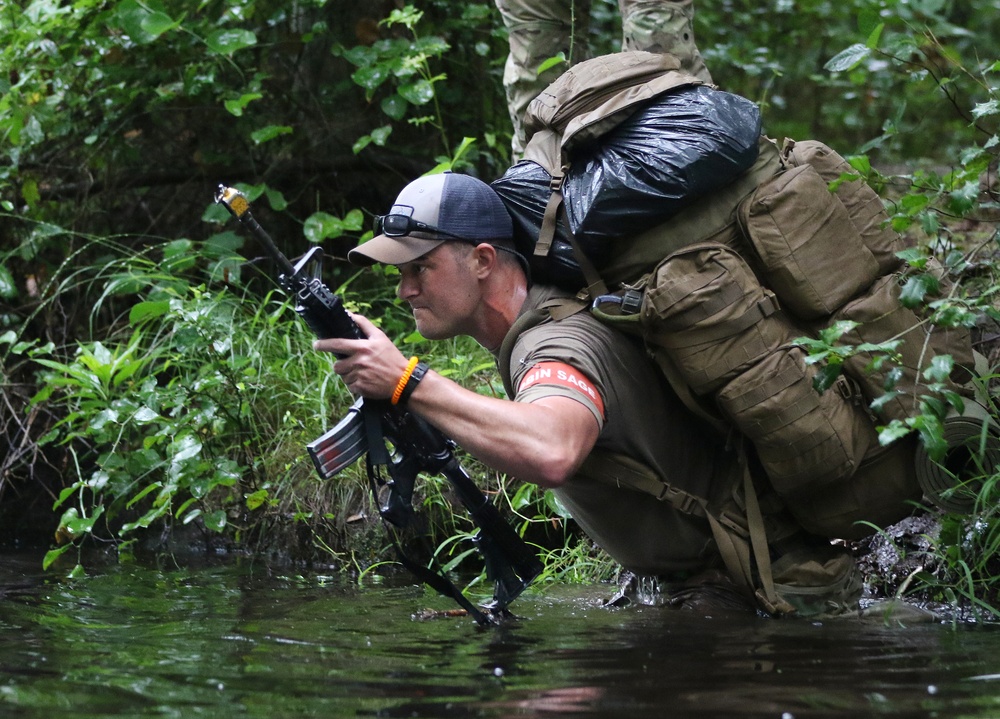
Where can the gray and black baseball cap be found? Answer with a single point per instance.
(435, 209)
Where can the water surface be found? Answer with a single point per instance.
(239, 641)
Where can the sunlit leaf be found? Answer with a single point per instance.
(895, 430)
(186, 448)
(236, 107)
(940, 368)
(418, 93)
(270, 132)
(551, 62)
(848, 59)
(986, 108)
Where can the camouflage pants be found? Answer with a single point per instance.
(540, 30)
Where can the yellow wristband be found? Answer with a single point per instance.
(401, 385)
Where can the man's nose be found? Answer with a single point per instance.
(405, 289)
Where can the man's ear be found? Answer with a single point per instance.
(485, 257)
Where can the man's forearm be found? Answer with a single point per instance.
(543, 442)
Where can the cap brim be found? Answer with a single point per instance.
(392, 250)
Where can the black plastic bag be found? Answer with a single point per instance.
(678, 147)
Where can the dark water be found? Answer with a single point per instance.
(234, 641)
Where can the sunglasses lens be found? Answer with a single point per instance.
(395, 225)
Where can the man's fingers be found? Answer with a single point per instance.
(364, 324)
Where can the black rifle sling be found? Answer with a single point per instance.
(435, 580)
(377, 450)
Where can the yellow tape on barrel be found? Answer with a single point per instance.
(973, 455)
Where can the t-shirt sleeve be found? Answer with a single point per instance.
(548, 379)
(560, 360)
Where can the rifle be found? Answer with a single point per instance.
(418, 446)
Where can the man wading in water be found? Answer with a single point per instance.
(588, 413)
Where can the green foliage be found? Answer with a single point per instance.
(183, 414)
(181, 392)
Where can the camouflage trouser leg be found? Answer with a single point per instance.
(538, 30)
(657, 26)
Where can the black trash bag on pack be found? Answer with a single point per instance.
(524, 189)
(678, 147)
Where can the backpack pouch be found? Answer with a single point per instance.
(880, 493)
(805, 440)
(881, 317)
(705, 307)
(799, 231)
(863, 205)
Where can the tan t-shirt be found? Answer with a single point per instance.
(640, 416)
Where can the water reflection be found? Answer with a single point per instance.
(237, 641)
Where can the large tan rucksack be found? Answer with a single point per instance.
(721, 290)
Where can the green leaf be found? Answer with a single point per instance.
(142, 493)
(275, 199)
(914, 257)
(52, 555)
(257, 499)
(916, 289)
(986, 108)
(145, 415)
(321, 225)
(178, 247)
(236, 107)
(8, 288)
(895, 430)
(381, 134)
(265, 134)
(417, 93)
(157, 23)
(875, 35)
(879, 403)
(226, 42)
(826, 376)
(184, 448)
(131, 17)
(30, 193)
(940, 368)
(145, 311)
(962, 200)
(361, 143)
(848, 59)
(551, 62)
(892, 378)
(395, 106)
(216, 521)
(371, 77)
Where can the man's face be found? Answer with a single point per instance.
(442, 290)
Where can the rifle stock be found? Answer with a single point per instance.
(510, 564)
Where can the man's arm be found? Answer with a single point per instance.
(543, 442)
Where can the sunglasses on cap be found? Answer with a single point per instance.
(403, 225)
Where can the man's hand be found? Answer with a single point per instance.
(370, 367)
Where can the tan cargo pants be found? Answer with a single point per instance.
(541, 29)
